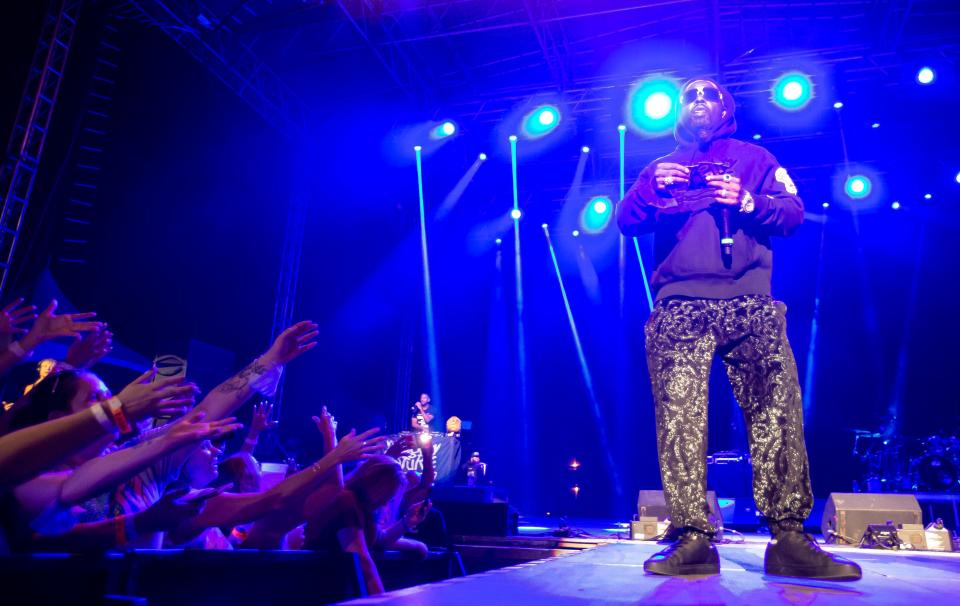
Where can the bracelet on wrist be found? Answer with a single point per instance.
(115, 407)
(100, 414)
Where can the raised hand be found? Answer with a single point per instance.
(325, 423)
(260, 421)
(143, 399)
(170, 511)
(12, 316)
(294, 341)
(193, 429)
(49, 326)
(87, 351)
(355, 447)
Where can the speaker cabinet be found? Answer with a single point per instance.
(847, 515)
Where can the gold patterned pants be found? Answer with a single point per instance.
(749, 334)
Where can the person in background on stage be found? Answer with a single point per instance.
(422, 417)
(710, 301)
(474, 471)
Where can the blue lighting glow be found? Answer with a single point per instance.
(927, 196)
(596, 215)
(957, 178)
(895, 205)
(875, 125)
(825, 205)
(757, 137)
(515, 214)
(857, 187)
(541, 121)
(585, 149)
(652, 106)
(792, 91)
(482, 157)
(576, 233)
(838, 105)
(926, 75)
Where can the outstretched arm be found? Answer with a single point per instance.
(99, 474)
(47, 326)
(232, 393)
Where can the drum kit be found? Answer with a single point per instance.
(896, 464)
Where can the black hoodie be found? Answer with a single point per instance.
(687, 256)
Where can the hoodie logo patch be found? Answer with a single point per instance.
(782, 176)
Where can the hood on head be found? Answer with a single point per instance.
(727, 125)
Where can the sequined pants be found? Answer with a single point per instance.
(749, 334)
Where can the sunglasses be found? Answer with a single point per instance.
(709, 94)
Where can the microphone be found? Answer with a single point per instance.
(726, 240)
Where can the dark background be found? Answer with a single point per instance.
(184, 239)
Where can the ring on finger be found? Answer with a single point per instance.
(668, 181)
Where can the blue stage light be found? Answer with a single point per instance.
(576, 233)
(622, 128)
(825, 205)
(857, 187)
(417, 148)
(499, 241)
(875, 125)
(443, 130)
(792, 91)
(541, 121)
(652, 105)
(927, 196)
(596, 215)
(926, 75)
(482, 157)
(757, 137)
(544, 226)
(513, 137)
(515, 214)
(957, 178)
(585, 149)
(895, 205)
(838, 105)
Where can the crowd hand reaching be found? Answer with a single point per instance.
(326, 424)
(163, 398)
(670, 174)
(193, 429)
(49, 326)
(354, 447)
(405, 442)
(260, 421)
(88, 350)
(726, 189)
(170, 511)
(294, 341)
(13, 315)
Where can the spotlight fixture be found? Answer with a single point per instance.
(622, 128)
(875, 125)
(757, 137)
(895, 205)
(541, 121)
(652, 105)
(482, 157)
(498, 241)
(585, 149)
(857, 187)
(825, 205)
(543, 225)
(792, 91)
(515, 214)
(596, 215)
(417, 148)
(513, 137)
(926, 75)
(576, 233)
(838, 105)
(927, 196)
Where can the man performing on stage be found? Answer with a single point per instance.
(713, 298)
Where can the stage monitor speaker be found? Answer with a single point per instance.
(478, 519)
(653, 503)
(847, 515)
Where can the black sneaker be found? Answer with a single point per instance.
(693, 553)
(796, 554)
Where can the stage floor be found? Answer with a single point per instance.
(612, 573)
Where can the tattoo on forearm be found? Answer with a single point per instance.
(243, 378)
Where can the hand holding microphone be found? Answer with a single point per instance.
(727, 194)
